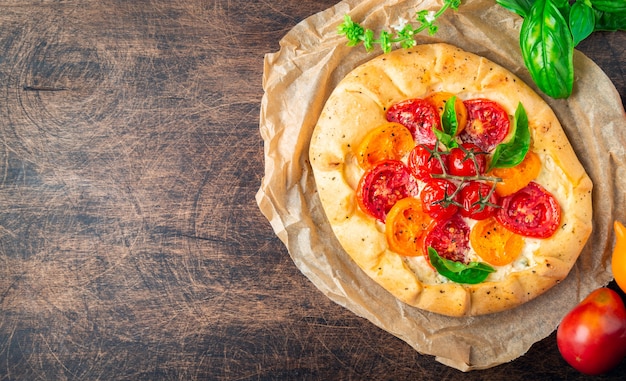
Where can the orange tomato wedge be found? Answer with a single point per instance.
(516, 178)
(406, 226)
(494, 243)
(618, 260)
(389, 141)
(439, 99)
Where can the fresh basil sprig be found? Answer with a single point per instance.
(471, 273)
(610, 21)
(512, 153)
(611, 6)
(548, 49)
(552, 28)
(582, 20)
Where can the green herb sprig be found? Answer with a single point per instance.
(357, 34)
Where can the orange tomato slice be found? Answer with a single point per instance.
(439, 99)
(618, 259)
(406, 227)
(516, 178)
(494, 243)
(390, 141)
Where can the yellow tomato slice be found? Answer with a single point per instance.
(406, 227)
(439, 99)
(390, 141)
(618, 259)
(516, 178)
(494, 243)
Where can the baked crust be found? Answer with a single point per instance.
(357, 105)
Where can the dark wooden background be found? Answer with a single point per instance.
(131, 246)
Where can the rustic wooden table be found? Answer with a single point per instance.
(131, 246)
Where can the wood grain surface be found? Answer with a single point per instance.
(131, 246)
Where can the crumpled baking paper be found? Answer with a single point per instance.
(298, 79)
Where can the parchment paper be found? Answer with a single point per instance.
(297, 80)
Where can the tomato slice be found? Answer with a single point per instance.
(532, 212)
(383, 185)
(494, 243)
(479, 200)
(440, 98)
(487, 124)
(419, 116)
(390, 141)
(440, 198)
(467, 160)
(450, 238)
(516, 178)
(406, 226)
(424, 161)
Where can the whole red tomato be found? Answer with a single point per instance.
(592, 336)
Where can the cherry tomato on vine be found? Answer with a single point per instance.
(467, 160)
(406, 226)
(424, 160)
(450, 238)
(479, 200)
(592, 336)
(487, 124)
(440, 198)
(532, 212)
(420, 116)
(383, 185)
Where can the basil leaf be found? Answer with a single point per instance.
(582, 21)
(449, 121)
(564, 7)
(472, 273)
(446, 139)
(612, 6)
(512, 153)
(449, 124)
(520, 7)
(548, 49)
(610, 21)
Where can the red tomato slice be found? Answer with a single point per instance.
(532, 212)
(450, 238)
(423, 162)
(383, 185)
(406, 227)
(479, 201)
(487, 124)
(419, 116)
(440, 198)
